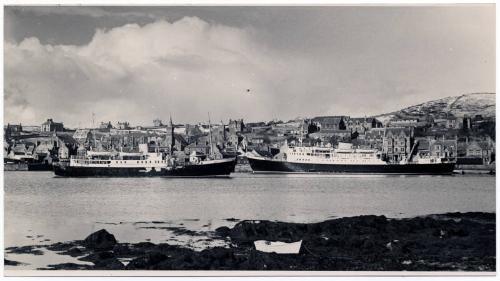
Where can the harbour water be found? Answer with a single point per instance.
(41, 209)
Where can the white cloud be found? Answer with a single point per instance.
(190, 67)
(186, 68)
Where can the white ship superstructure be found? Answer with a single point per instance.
(105, 159)
(343, 154)
(141, 159)
(110, 164)
(343, 159)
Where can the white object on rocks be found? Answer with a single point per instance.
(278, 247)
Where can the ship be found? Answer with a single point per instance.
(344, 159)
(113, 164)
(199, 164)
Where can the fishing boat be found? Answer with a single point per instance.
(200, 165)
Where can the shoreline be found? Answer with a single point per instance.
(439, 242)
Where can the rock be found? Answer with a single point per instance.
(98, 256)
(25, 250)
(109, 264)
(223, 231)
(68, 266)
(146, 261)
(12, 263)
(100, 240)
(74, 252)
(59, 246)
(371, 243)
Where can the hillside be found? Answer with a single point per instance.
(458, 106)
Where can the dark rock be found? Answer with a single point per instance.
(128, 250)
(144, 245)
(98, 256)
(109, 264)
(25, 250)
(100, 240)
(10, 262)
(74, 252)
(223, 231)
(59, 246)
(68, 266)
(146, 261)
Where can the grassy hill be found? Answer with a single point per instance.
(458, 106)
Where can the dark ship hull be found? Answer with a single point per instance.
(222, 167)
(277, 166)
(40, 167)
(69, 171)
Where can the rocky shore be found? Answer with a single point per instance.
(445, 242)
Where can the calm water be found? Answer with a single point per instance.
(62, 209)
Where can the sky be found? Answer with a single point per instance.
(139, 63)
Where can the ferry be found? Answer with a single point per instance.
(343, 159)
(113, 164)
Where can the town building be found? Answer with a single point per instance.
(443, 148)
(12, 130)
(374, 138)
(331, 123)
(236, 126)
(105, 125)
(21, 152)
(123, 125)
(363, 124)
(397, 143)
(66, 145)
(484, 149)
(51, 126)
(405, 123)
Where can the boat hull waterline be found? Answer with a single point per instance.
(279, 166)
(70, 171)
(218, 168)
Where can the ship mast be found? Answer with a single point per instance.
(210, 134)
(172, 142)
(301, 131)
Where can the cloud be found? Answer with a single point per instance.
(186, 68)
(189, 67)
